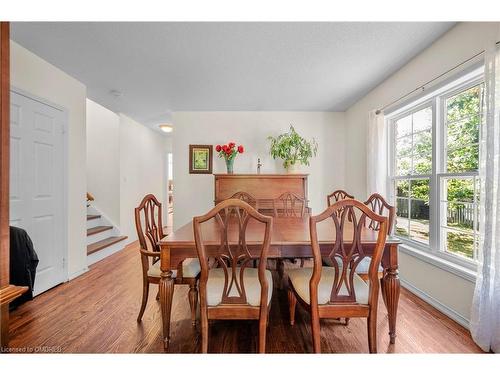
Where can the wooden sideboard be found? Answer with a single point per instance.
(263, 187)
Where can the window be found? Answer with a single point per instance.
(434, 170)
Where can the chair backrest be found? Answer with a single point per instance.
(289, 204)
(232, 217)
(379, 205)
(336, 196)
(149, 212)
(348, 249)
(245, 197)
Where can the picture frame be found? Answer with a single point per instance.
(200, 159)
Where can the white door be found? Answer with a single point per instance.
(37, 183)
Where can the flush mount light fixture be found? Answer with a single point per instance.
(166, 128)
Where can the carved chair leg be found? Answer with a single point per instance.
(302, 260)
(204, 331)
(193, 300)
(262, 332)
(372, 331)
(145, 293)
(315, 328)
(347, 321)
(292, 303)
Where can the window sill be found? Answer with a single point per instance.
(440, 262)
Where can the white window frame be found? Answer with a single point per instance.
(434, 252)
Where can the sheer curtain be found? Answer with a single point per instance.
(485, 315)
(376, 155)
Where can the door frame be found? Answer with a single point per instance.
(65, 173)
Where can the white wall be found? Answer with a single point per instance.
(142, 170)
(460, 43)
(35, 76)
(103, 160)
(194, 194)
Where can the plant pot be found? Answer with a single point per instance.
(229, 166)
(293, 168)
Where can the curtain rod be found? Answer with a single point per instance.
(378, 111)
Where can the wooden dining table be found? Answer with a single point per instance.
(290, 238)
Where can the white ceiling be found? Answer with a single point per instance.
(194, 66)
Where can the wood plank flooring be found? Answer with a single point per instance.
(96, 313)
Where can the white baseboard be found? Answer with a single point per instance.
(77, 273)
(449, 312)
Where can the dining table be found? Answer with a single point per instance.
(290, 238)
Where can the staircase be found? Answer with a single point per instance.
(103, 239)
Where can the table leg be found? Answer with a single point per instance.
(390, 293)
(166, 295)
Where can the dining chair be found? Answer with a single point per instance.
(288, 204)
(379, 205)
(149, 212)
(234, 290)
(246, 197)
(338, 291)
(336, 196)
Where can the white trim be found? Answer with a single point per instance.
(449, 312)
(436, 97)
(74, 275)
(440, 262)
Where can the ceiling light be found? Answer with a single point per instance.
(166, 128)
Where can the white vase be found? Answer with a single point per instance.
(293, 168)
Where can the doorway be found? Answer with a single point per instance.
(37, 183)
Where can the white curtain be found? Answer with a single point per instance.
(376, 155)
(485, 315)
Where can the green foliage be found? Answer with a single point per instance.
(462, 144)
(292, 148)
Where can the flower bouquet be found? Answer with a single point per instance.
(229, 152)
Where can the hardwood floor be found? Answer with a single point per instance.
(96, 313)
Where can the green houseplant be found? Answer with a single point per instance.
(293, 149)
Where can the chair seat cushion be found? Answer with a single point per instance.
(190, 268)
(215, 286)
(300, 277)
(362, 267)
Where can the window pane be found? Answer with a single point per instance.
(463, 104)
(422, 120)
(460, 243)
(419, 210)
(402, 205)
(403, 126)
(403, 166)
(462, 130)
(459, 206)
(465, 159)
(422, 153)
(402, 217)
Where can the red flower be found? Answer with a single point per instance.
(224, 148)
(240, 149)
(231, 144)
(218, 148)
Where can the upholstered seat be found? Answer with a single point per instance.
(190, 268)
(215, 286)
(300, 277)
(364, 265)
(361, 268)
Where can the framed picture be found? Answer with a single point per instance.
(200, 159)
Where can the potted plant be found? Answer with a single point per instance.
(293, 149)
(229, 152)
